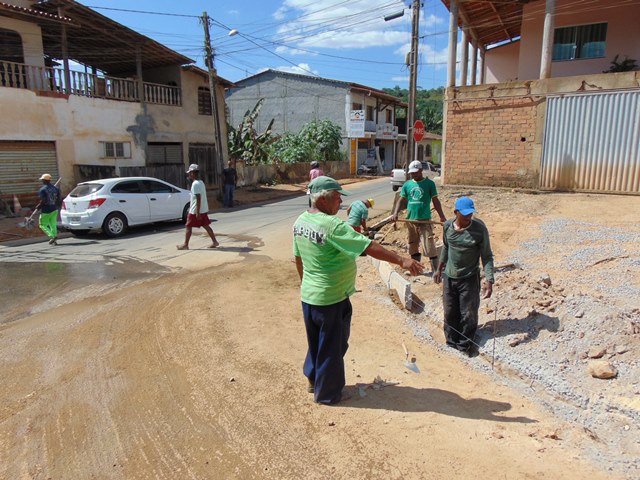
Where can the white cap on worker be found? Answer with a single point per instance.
(193, 168)
(415, 166)
(45, 176)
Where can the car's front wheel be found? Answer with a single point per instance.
(114, 225)
(395, 188)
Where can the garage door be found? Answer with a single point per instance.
(21, 164)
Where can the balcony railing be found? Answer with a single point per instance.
(47, 79)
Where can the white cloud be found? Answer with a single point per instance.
(428, 55)
(301, 68)
(234, 12)
(400, 79)
(353, 24)
(293, 51)
(431, 20)
(281, 13)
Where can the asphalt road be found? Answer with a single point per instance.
(37, 275)
(238, 229)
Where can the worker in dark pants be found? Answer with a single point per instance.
(325, 250)
(466, 241)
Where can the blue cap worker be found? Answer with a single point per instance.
(466, 242)
(325, 250)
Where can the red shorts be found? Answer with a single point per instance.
(357, 229)
(195, 222)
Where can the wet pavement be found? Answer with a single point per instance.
(32, 287)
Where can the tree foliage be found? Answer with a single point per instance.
(247, 144)
(429, 105)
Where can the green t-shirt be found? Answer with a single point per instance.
(358, 212)
(419, 195)
(463, 250)
(328, 248)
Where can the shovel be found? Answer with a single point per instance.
(29, 222)
(410, 363)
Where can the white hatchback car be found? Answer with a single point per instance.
(115, 204)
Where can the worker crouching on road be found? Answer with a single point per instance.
(420, 193)
(358, 213)
(466, 241)
(325, 250)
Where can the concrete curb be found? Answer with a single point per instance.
(394, 280)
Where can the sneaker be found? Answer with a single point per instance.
(53, 241)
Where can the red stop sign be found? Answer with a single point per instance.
(418, 130)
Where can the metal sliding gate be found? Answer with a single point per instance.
(592, 143)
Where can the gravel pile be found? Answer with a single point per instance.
(566, 304)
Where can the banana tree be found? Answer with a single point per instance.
(245, 143)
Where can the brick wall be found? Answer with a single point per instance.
(493, 141)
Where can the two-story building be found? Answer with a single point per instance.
(83, 97)
(539, 110)
(293, 100)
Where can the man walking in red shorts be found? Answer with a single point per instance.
(198, 210)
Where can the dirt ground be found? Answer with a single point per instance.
(157, 382)
(547, 336)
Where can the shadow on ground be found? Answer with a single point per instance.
(410, 399)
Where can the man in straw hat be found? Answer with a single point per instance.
(48, 206)
(325, 250)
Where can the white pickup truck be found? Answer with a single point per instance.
(399, 176)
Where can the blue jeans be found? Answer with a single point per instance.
(328, 329)
(227, 199)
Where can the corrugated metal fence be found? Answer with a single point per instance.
(592, 143)
(21, 164)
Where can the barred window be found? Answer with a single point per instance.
(116, 149)
(204, 101)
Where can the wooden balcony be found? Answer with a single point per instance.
(47, 79)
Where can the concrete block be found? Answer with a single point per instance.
(395, 281)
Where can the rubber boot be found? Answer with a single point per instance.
(417, 257)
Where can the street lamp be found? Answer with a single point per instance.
(413, 72)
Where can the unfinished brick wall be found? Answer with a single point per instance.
(491, 141)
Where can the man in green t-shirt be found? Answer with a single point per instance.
(325, 250)
(466, 241)
(420, 193)
(358, 213)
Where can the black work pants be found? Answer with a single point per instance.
(461, 301)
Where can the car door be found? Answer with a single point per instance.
(129, 197)
(164, 200)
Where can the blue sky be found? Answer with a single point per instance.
(340, 39)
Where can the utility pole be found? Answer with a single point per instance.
(212, 90)
(413, 73)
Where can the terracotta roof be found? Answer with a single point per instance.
(98, 41)
(200, 71)
(490, 22)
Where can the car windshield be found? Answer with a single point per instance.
(85, 189)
